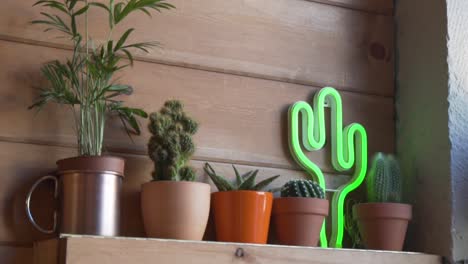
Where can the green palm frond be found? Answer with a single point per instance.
(86, 80)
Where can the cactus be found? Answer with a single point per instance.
(384, 180)
(170, 146)
(302, 188)
(242, 182)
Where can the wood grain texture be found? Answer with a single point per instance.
(289, 40)
(91, 250)
(47, 251)
(16, 255)
(375, 6)
(242, 120)
(22, 164)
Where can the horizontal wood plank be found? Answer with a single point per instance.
(22, 164)
(16, 255)
(242, 120)
(289, 40)
(126, 250)
(375, 6)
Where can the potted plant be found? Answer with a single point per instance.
(383, 221)
(299, 213)
(173, 205)
(85, 84)
(241, 209)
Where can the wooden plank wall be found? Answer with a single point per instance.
(237, 65)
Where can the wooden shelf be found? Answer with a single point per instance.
(72, 249)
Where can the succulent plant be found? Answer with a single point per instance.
(384, 180)
(302, 188)
(245, 181)
(171, 146)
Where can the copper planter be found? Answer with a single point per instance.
(88, 189)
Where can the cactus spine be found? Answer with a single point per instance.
(170, 146)
(384, 180)
(302, 188)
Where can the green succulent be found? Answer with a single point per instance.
(302, 188)
(245, 181)
(171, 146)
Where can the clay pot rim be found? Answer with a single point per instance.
(92, 164)
(244, 191)
(175, 183)
(301, 205)
(382, 210)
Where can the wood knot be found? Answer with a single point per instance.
(377, 51)
(239, 252)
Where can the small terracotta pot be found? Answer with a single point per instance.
(242, 216)
(298, 220)
(175, 210)
(383, 225)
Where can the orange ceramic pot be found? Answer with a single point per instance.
(242, 216)
(298, 220)
(176, 210)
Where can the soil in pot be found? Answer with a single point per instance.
(175, 210)
(383, 225)
(298, 220)
(242, 216)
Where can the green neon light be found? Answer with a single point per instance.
(348, 149)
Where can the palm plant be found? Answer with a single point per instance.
(85, 82)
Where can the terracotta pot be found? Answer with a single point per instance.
(175, 210)
(298, 220)
(383, 225)
(88, 189)
(242, 216)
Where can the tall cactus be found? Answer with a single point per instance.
(384, 180)
(348, 150)
(170, 146)
(302, 188)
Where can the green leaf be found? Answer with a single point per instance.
(81, 11)
(139, 112)
(73, 26)
(123, 39)
(221, 183)
(265, 183)
(144, 10)
(101, 5)
(249, 183)
(129, 56)
(144, 46)
(239, 179)
(72, 4)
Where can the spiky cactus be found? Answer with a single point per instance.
(170, 146)
(302, 188)
(384, 180)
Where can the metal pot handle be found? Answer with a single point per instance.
(28, 201)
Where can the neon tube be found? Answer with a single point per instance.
(348, 149)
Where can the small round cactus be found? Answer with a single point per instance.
(302, 188)
(170, 146)
(384, 180)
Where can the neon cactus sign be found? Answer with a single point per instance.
(348, 149)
